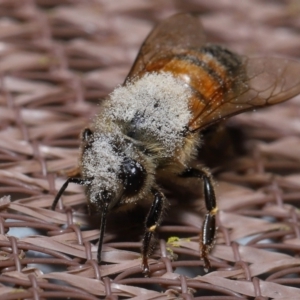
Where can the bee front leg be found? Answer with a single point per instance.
(153, 220)
(76, 180)
(207, 235)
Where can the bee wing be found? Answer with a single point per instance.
(172, 36)
(262, 81)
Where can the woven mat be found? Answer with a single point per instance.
(57, 60)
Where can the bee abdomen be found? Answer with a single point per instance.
(230, 61)
(209, 71)
(212, 72)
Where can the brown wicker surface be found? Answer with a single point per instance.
(57, 59)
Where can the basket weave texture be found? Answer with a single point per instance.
(57, 60)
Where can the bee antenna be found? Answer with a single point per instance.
(80, 181)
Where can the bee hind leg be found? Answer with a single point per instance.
(207, 235)
(153, 220)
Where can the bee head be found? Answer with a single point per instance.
(120, 173)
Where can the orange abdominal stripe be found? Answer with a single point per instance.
(209, 73)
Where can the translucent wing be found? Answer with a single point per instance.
(261, 82)
(170, 37)
(241, 85)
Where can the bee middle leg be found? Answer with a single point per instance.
(153, 220)
(207, 235)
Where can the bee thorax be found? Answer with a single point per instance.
(153, 109)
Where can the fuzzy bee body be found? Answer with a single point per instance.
(210, 72)
(151, 125)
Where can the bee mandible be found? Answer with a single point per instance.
(151, 126)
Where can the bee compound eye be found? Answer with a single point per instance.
(133, 176)
(86, 134)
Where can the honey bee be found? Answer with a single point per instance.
(151, 126)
